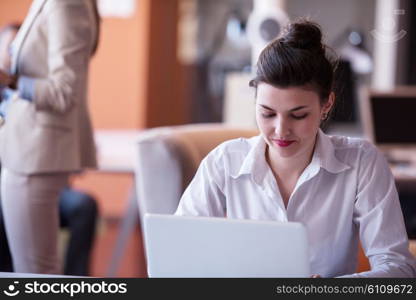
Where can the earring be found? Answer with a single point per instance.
(324, 116)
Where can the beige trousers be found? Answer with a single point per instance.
(30, 208)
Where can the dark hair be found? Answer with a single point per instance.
(297, 58)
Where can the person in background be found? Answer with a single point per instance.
(340, 188)
(47, 132)
(78, 211)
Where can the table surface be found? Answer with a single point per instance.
(116, 150)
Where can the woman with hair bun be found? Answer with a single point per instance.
(340, 188)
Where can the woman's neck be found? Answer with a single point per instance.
(289, 166)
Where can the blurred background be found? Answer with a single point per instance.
(172, 62)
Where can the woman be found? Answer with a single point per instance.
(340, 188)
(47, 132)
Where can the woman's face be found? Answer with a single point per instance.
(289, 119)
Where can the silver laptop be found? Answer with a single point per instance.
(179, 246)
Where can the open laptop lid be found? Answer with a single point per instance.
(179, 246)
(389, 120)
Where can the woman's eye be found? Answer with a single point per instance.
(300, 117)
(267, 116)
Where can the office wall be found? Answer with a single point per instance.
(136, 80)
(117, 76)
(12, 10)
(166, 97)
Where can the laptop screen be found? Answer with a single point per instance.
(394, 119)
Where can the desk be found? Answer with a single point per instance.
(116, 150)
(403, 166)
(405, 177)
(404, 174)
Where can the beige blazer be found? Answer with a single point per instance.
(53, 132)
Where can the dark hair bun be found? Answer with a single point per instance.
(303, 35)
(297, 58)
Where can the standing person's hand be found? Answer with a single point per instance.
(6, 79)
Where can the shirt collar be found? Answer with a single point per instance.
(255, 162)
(323, 157)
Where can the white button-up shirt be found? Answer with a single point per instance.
(346, 194)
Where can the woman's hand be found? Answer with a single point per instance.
(7, 80)
(316, 276)
(4, 78)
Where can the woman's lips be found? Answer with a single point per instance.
(283, 143)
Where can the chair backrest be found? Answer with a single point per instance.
(168, 157)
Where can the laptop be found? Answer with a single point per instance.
(389, 121)
(178, 246)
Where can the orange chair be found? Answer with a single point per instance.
(167, 160)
